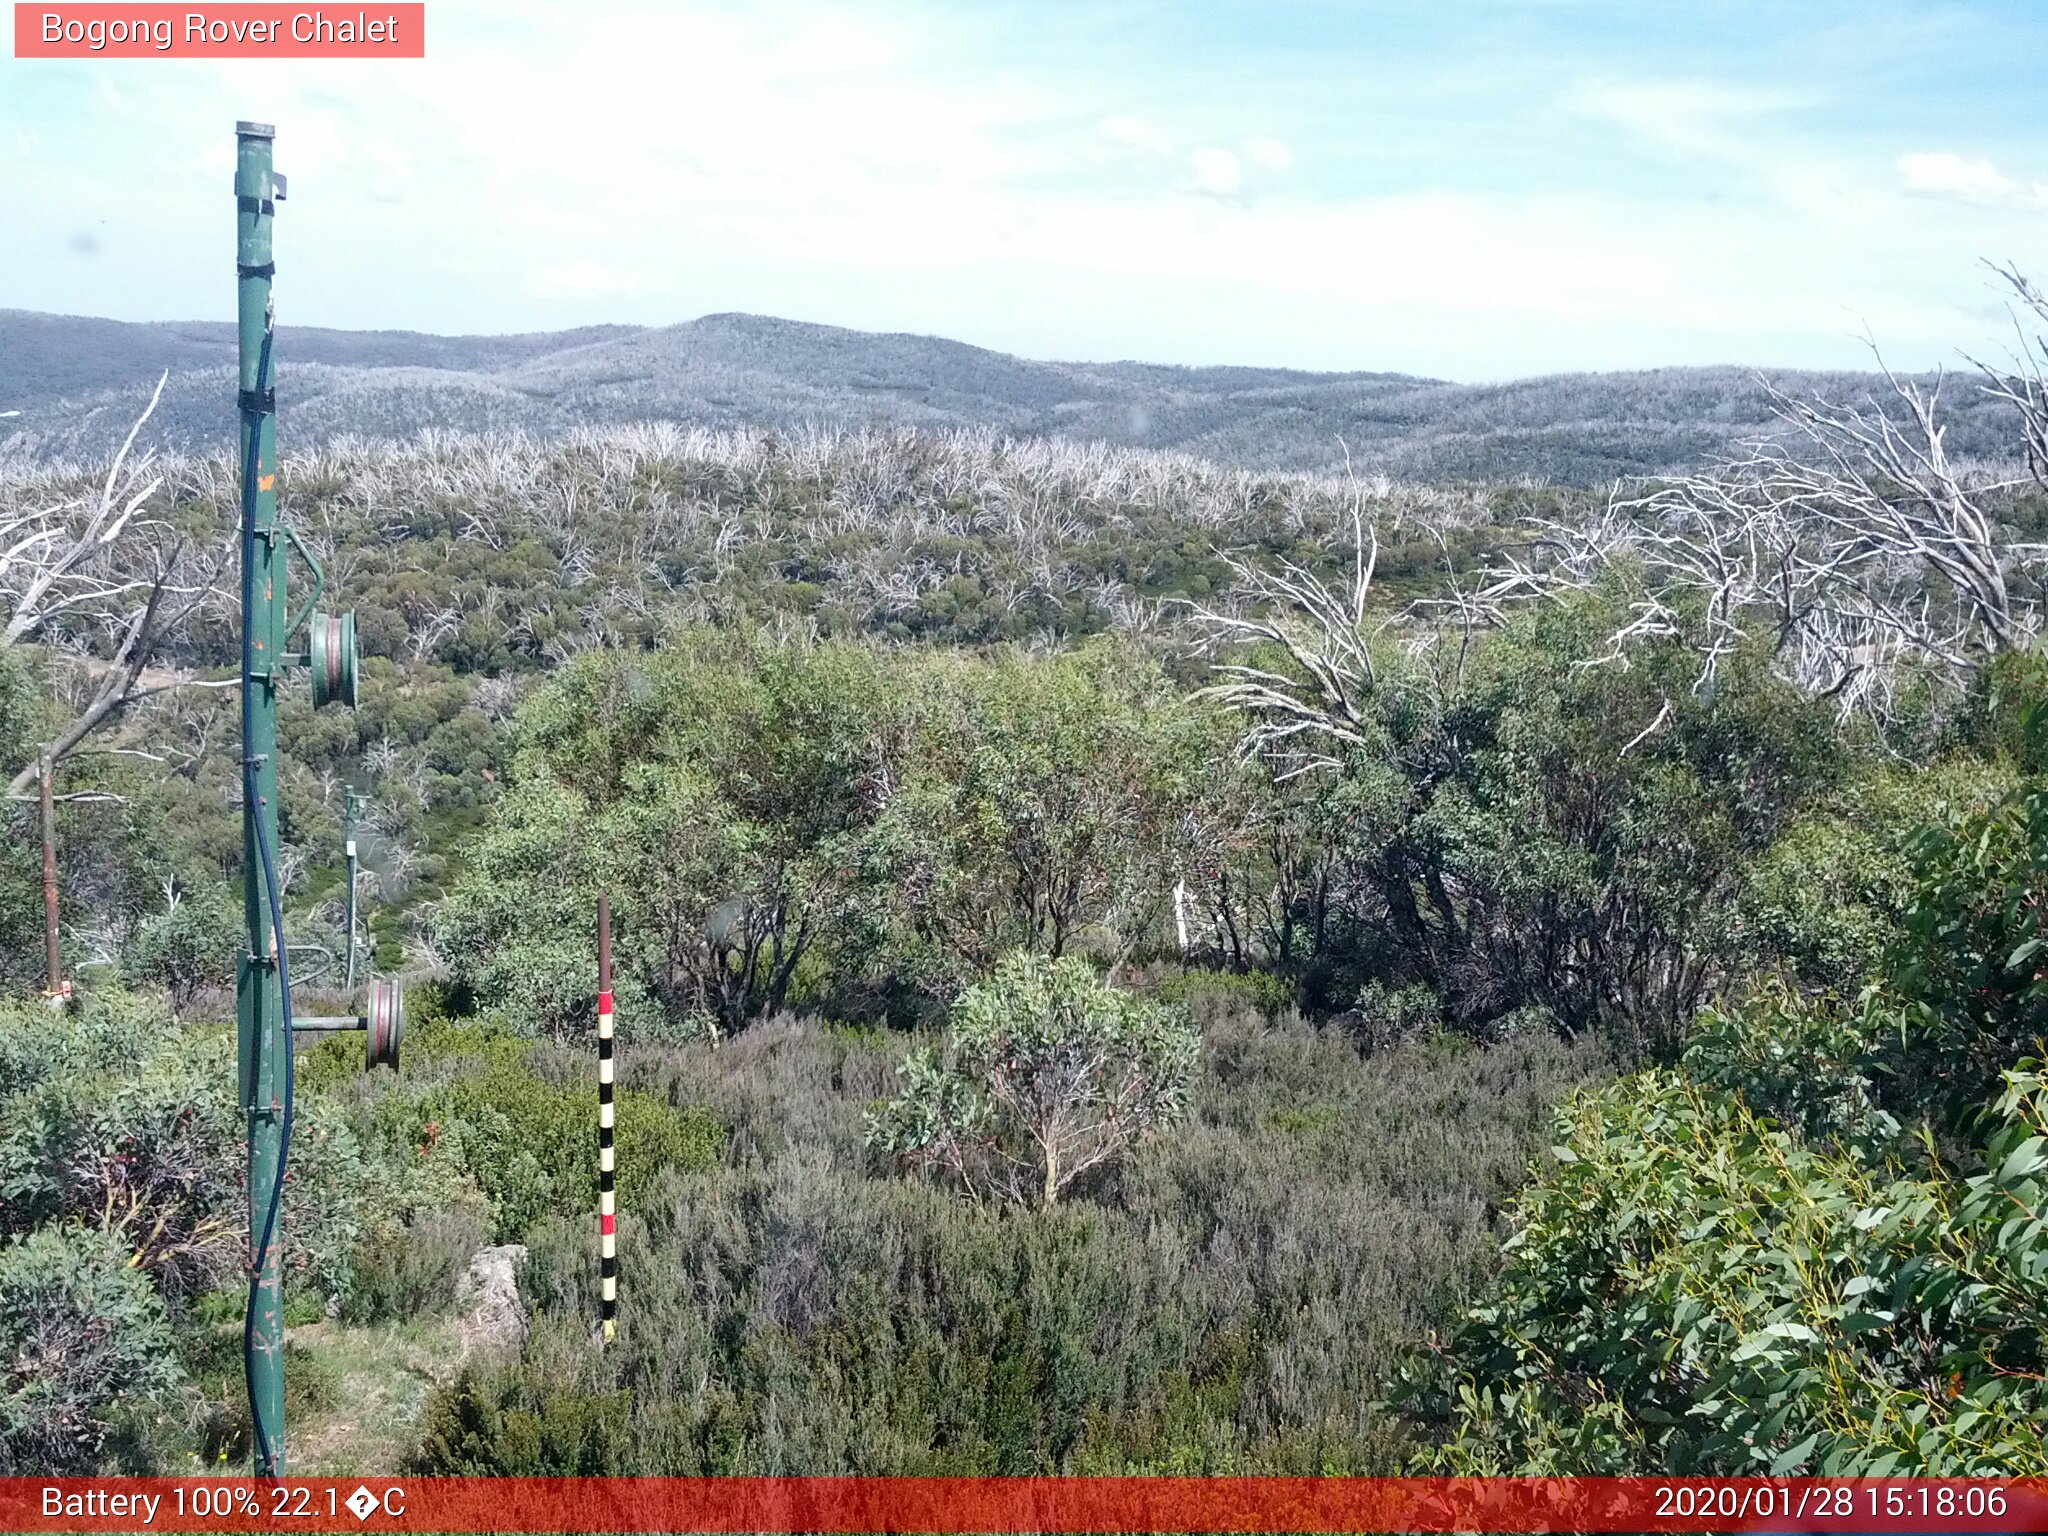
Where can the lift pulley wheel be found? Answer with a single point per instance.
(331, 654)
(385, 1021)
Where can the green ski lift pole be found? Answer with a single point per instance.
(263, 988)
(263, 1030)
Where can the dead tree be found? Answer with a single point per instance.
(100, 565)
(1853, 547)
(1852, 542)
(1311, 721)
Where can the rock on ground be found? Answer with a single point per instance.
(492, 1315)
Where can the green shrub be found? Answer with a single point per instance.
(654, 1136)
(127, 1121)
(1229, 1300)
(1046, 1073)
(1972, 964)
(718, 789)
(1691, 1290)
(113, 1113)
(1824, 901)
(409, 1267)
(491, 1111)
(1811, 1065)
(532, 1145)
(2007, 689)
(1386, 1016)
(1202, 992)
(501, 1422)
(1050, 805)
(827, 823)
(190, 947)
(83, 1335)
(1820, 1249)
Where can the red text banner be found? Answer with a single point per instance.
(1049, 1504)
(238, 31)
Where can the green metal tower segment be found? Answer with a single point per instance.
(263, 982)
(264, 1028)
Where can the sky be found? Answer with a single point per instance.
(1467, 189)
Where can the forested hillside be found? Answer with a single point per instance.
(1125, 963)
(78, 383)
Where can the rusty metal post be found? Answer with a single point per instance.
(53, 953)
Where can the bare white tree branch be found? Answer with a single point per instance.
(99, 567)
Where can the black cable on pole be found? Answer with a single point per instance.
(265, 1459)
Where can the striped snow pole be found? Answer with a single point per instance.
(607, 1213)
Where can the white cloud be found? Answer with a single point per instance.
(1134, 133)
(587, 279)
(1216, 171)
(878, 167)
(1221, 172)
(1213, 170)
(1749, 130)
(1968, 181)
(1269, 154)
(1692, 116)
(389, 170)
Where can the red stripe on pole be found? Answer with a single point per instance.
(608, 1225)
(604, 1002)
(1049, 1504)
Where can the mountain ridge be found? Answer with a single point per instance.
(77, 381)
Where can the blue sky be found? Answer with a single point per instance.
(1472, 190)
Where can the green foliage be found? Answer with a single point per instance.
(410, 1269)
(476, 566)
(1784, 1260)
(21, 872)
(1264, 992)
(1565, 862)
(1227, 1300)
(501, 1423)
(1046, 1073)
(2001, 721)
(117, 1120)
(1973, 965)
(1809, 1064)
(1813, 1247)
(1051, 805)
(812, 820)
(1521, 824)
(722, 790)
(520, 927)
(529, 1143)
(1693, 1290)
(1384, 1016)
(496, 1113)
(194, 944)
(111, 1114)
(83, 1336)
(1824, 901)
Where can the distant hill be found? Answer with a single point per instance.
(77, 383)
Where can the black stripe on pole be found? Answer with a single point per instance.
(608, 1260)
